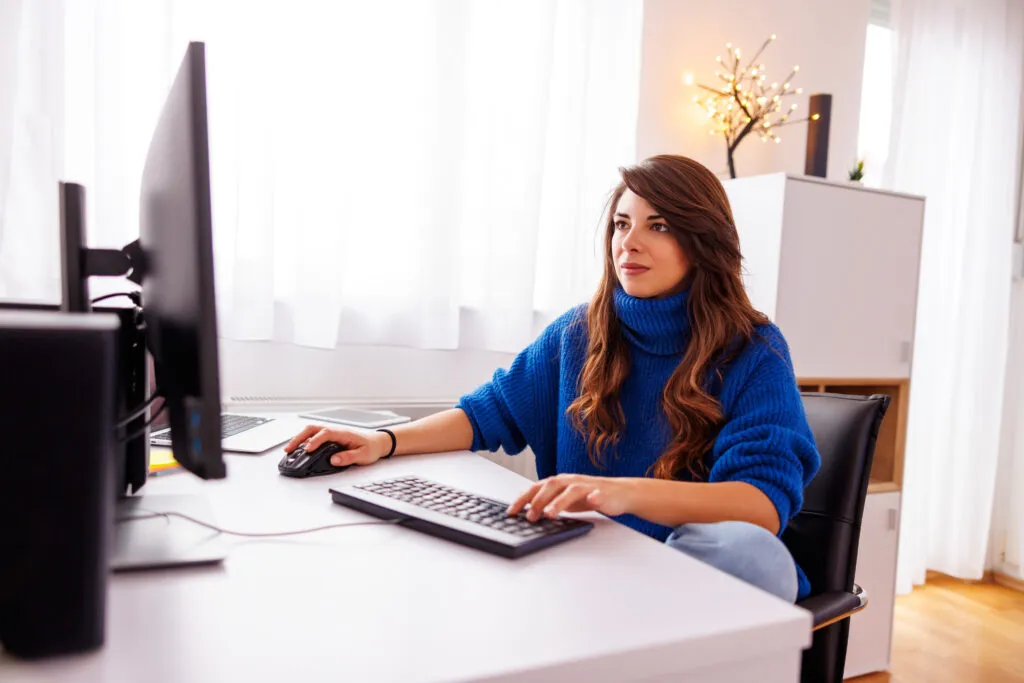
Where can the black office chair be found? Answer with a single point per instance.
(823, 536)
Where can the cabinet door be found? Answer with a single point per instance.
(870, 641)
(848, 280)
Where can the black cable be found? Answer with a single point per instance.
(142, 430)
(134, 296)
(135, 414)
(153, 515)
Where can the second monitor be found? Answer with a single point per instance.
(173, 262)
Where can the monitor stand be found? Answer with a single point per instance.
(160, 542)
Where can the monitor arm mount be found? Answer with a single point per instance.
(129, 261)
(79, 262)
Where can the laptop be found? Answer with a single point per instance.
(243, 433)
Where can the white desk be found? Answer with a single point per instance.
(384, 603)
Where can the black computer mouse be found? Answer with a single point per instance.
(299, 463)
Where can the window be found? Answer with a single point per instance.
(380, 170)
(876, 94)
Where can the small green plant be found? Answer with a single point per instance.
(857, 172)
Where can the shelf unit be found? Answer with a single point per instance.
(835, 265)
(887, 467)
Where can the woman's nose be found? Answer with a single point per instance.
(631, 240)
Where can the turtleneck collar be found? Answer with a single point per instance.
(658, 326)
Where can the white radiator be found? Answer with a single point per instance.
(523, 464)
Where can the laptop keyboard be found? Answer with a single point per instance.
(236, 424)
(229, 426)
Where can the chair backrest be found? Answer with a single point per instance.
(823, 536)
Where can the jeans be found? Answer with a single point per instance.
(746, 551)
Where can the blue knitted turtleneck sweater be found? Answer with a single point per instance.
(764, 441)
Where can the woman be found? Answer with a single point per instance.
(667, 403)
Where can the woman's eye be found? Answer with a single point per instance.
(659, 227)
(621, 225)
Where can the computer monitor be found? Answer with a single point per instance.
(178, 299)
(172, 261)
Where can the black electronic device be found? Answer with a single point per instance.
(299, 463)
(57, 403)
(457, 515)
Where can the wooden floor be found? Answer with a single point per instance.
(950, 631)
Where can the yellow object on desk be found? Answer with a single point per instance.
(161, 461)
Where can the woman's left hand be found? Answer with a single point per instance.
(573, 493)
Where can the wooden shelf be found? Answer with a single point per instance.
(887, 467)
(882, 486)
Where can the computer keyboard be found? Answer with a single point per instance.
(457, 515)
(229, 426)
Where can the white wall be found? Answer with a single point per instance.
(352, 373)
(684, 36)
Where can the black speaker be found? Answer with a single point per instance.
(57, 420)
(816, 163)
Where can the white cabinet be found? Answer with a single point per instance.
(870, 643)
(835, 266)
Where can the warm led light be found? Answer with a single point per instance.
(745, 103)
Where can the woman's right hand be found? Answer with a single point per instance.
(362, 447)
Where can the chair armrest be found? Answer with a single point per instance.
(828, 608)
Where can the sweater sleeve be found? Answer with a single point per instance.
(766, 440)
(518, 407)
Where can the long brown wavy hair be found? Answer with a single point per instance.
(722, 320)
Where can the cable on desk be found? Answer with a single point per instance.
(153, 515)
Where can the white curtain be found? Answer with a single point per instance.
(956, 139)
(403, 172)
(31, 146)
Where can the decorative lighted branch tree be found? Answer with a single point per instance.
(743, 104)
